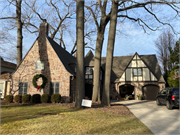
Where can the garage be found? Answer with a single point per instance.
(150, 91)
(126, 90)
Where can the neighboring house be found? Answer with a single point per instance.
(138, 74)
(6, 69)
(131, 75)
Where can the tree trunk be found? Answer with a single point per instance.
(19, 31)
(97, 64)
(80, 53)
(109, 56)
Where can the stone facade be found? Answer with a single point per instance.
(114, 88)
(54, 69)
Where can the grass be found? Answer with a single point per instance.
(63, 120)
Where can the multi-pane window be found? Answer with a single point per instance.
(137, 72)
(39, 65)
(23, 88)
(54, 87)
(88, 73)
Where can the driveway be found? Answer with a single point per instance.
(158, 119)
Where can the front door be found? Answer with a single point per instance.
(88, 90)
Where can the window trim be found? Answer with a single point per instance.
(137, 72)
(23, 88)
(54, 89)
(89, 76)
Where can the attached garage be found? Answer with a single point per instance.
(150, 92)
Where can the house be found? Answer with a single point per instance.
(139, 73)
(130, 75)
(6, 69)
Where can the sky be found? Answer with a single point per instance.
(133, 39)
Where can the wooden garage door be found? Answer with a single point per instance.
(150, 92)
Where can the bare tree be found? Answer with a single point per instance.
(104, 19)
(131, 11)
(19, 23)
(80, 53)
(109, 56)
(163, 42)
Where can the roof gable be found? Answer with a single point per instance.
(88, 58)
(138, 62)
(63, 55)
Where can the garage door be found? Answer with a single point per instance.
(150, 91)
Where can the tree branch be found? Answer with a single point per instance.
(94, 17)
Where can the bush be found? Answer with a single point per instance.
(55, 98)
(9, 98)
(26, 98)
(18, 98)
(45, 98)
(36, 98)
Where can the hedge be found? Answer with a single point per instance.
(18, 99)
(45, 98)
(26, 98)
(55, 98)
(36, 98)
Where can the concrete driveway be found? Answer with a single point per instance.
(158, 119)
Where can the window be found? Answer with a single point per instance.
(89, 73)
(54, 87)
(88, 70)
(23, 88)
(137, 71)
(39, 65)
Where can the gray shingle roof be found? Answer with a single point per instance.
(121, 62)
(65, 57)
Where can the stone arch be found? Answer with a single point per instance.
(126, 89)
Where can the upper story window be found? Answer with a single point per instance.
(23, 88)
(137, 72)
(89, 73)
(39, 65)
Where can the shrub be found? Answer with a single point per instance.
(36, 98)
(18, 98)
(45, 98)
(26, 98)
(9, 98)
(55, 98)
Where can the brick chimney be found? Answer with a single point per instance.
(43, 29)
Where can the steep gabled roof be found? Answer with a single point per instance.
(120, 64)
(65, 57)
(89, 56)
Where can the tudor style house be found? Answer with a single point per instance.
(131, 75)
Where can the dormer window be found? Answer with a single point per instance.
(88, 73)
(137, 72)
(39, 65)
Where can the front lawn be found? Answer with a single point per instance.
(64, 120)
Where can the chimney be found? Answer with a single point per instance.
(43, 29)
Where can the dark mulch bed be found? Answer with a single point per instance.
(114, 108)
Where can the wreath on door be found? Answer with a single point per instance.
(34, 81)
